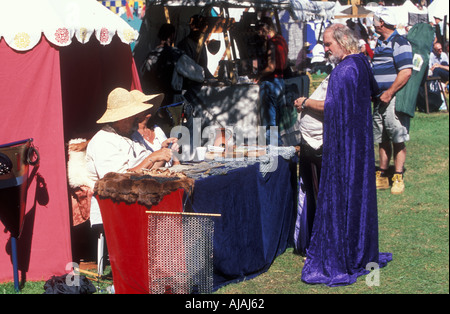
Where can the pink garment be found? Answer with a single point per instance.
(81, 204)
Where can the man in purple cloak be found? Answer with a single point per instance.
(344, 240)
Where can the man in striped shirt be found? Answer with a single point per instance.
(392, 68)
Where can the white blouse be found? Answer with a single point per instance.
(110, 152)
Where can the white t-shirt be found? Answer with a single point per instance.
(311, 123)
(110, 152)
(439, 60)
(318, 53)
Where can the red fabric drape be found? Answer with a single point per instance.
(53, 94)
(89, 72)
(126, 232)
(31, 107)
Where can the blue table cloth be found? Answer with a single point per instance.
(257, 218)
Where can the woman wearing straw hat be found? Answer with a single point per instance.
(112, 149)
(152, 136)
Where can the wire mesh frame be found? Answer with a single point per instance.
(180, 252)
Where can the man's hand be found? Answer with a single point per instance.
(173, 141)
(164, 154)
(298, 103)
(401, 80)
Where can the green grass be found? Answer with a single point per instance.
(412, 226)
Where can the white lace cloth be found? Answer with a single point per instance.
(22, 26)
(221, 166)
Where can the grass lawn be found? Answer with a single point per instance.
(412, 226)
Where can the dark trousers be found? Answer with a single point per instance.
(443, 74)
(310, 165)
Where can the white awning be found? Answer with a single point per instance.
(275, 4)
(303, 10)
(22, 23)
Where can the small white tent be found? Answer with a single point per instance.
(438, 8)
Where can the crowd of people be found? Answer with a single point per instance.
(337, 166)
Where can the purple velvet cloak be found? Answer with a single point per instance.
(344, 237)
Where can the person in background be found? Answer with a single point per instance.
(190, 44)
(159, 65)
(392, 67)
(438, 63)
(365, 49)
(157, 72)
(271, 80)
(318, 61)
(344, 238)
(303, 62)
(439, 29)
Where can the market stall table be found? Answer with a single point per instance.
(257, 217)
(256, 203)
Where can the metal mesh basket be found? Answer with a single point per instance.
(180, 252)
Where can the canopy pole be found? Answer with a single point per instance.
(183, 213)
(444, 35)
(277, 20)
(167, 15)
(15, 263)
(228, 22)
(228, 51)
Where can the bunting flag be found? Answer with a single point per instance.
(115, 5)
(129, 13)
(127, 5)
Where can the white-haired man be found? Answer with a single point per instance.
(344, 237)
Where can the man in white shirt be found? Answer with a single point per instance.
(439, 62)
(318, 53)
(319, 62)
(112, 149)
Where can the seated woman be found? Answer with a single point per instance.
(112, 149)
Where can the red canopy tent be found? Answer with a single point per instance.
(54, 87)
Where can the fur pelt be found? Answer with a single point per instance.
(145, 189)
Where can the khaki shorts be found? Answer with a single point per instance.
(388, 124)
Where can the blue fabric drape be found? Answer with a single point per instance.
(345, 231)
(257, 219)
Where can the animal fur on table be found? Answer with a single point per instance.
(147, 188)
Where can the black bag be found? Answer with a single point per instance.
(58, 285)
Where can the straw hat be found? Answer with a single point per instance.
(140, 96)
(123, 104)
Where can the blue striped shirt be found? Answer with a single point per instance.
(390, 57)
